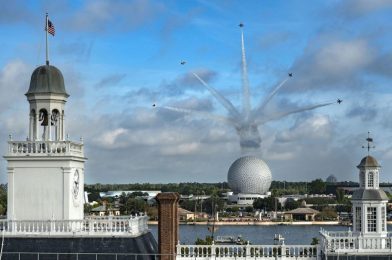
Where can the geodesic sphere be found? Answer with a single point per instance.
(249, 174)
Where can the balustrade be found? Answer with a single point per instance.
(349, 242)
(114, 226)
(44, 147)
(245, 251)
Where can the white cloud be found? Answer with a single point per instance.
(109, 138)
(181, 149)
(105, 15)
(343, 57)
(356, 8)
(316, 127)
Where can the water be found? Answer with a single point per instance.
(294, 235)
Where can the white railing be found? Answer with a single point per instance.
(247, 252)
(36, 148)
(347, 242)
(112, 226)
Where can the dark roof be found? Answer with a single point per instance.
(47, 79)
(364, 194)
(302, 211)
(368, 161)
(104, 208)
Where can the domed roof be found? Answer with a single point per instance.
(47, 79)
(365, 194)
(368, 161)
(331, 179)
(249, 175)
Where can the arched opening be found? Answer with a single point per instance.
(43, 118)
(33, 125)
(55, 122)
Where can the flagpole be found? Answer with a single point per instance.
(46, 34)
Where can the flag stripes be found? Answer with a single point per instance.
(50, 28)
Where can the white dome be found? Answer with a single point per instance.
(249, 174)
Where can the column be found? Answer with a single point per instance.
(62, 126)
(10, 193)
(50, 127)
(31, 127)
(67, 199)
(36, 126)
(167, 224)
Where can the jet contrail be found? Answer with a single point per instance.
(226, 103)
(247, 120)
(269, 97)
(222, 119)
(260, 122)
(245, 81)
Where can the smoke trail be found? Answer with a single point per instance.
(269, 97)
(201, 114)
(260, 122)
(226, 103)
(245, 81)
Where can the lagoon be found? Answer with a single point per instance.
(261, 235)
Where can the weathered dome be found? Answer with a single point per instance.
(369, 194)
(249, 175)
(368, 161)
(47, 79)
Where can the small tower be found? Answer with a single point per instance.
(369, 201)
(47, 97)
(45, 172)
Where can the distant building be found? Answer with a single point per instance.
(332, 179)
(114, 194)
(249, 179)
(246, 199)
(185, 215)
(45, 207)
(301, 214)
(105, 210)
(369, 236)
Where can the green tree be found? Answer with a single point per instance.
(267, 204)
(291, 204)
(249, 209)
(327, 213)
(135, 205)
(215, 201)
(188, 205)
(207, 241)
(317, 186)
(315, 241)
(340, 195)
(87, 208)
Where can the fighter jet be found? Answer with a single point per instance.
(241, 25)
(183, 62)
(339, 101)
(290, 74)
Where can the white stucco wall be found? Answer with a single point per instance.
(41, 189)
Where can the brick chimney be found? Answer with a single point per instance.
(167, 224)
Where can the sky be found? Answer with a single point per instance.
(120, 57)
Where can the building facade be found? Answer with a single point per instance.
(45, 172)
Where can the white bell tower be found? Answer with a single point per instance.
(45, 172)
(369, 201)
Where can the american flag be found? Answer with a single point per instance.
(50, 28)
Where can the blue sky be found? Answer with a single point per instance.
(119, 57)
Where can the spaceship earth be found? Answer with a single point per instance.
(249, 175)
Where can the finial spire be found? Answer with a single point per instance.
(369, 143)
